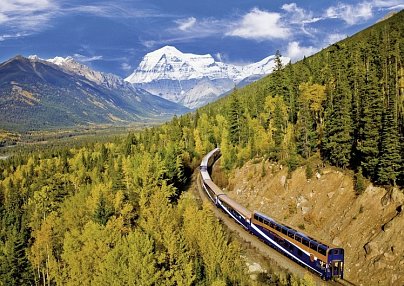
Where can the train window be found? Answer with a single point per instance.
(322, 250)
(336, 251)
(298, 238)
(305, 242)
(284, 231)
(291, 234)
(272, 225)
(255, 216)
(313, 245)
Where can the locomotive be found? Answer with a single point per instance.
(323, 259)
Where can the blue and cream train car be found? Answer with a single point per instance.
(239, 213)
(323, 259)
(211, 189)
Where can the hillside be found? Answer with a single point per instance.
(345, 103)
(118, 212)
(37, 94)
(369, 227)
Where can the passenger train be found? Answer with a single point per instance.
(325, 260)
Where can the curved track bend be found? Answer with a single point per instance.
(262, 248)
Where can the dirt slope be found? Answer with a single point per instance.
(370, 227)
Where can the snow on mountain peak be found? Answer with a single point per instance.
(168, 63)
(71, 65)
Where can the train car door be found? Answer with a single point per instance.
(336, 268)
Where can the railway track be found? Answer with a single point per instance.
(262, 248)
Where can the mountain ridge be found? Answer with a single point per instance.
(71, 94)
(175, 75)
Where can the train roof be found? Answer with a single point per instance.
(290, 229)
(205, 175)
(236, 206)
(205, 159)
(213, 187)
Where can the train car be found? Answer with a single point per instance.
(210, 159)
(326, 261)
(211, 189)
(239, 213)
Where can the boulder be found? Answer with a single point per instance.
(283, 180)
(371, 250)
(337, 241)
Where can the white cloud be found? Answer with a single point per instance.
(11, 36)
(351, 14)
(186, 24)
(85, 59)
(219, 57)
(387, 3)
(27, 14)
(126, 67)
(299, 15)
(260, 25)
(333, 38)
(296, 52)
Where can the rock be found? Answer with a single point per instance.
(397, 196)
(394, 278)
(386, 199)
(318, 175)
(371, 250)
(389, 256)
(387, 226)
(337, 241)
(300, 201)
(380, 264)
(254, 268)
(330, 195)
(305, 210)
(283, 180)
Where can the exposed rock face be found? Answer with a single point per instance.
(370, 227)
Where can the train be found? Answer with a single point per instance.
(325, 260)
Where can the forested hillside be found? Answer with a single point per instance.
(109, 215)
(115, 213)
(345, 104)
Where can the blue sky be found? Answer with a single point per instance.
(113, 36)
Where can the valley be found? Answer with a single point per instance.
(98, 180)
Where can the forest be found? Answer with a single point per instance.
(117, 213)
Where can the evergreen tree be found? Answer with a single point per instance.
(390, 158)
(368, 138)
(338, 138)
(235, 120)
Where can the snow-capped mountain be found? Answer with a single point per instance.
(63, 93)
(69, 64)
(193, 80)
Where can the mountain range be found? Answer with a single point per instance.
(194, 80)
(60, 92)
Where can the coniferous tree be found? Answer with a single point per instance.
(338, 139)
(390, 158)
(368, 137)
(235, 120)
